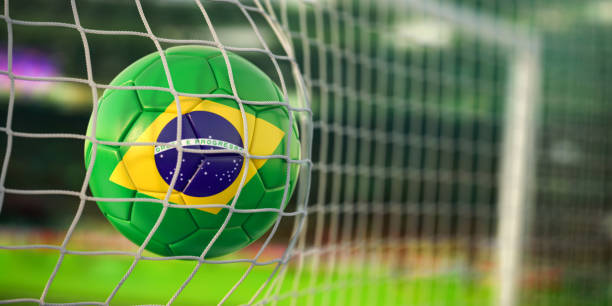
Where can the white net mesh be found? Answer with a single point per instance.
(449, 158)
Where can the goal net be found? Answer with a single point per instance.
(452, 152)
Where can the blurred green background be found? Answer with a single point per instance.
(453, 100)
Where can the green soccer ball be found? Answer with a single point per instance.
(141, 172)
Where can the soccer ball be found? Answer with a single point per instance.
(141, 172)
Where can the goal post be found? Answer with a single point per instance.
(518, 148)
(517, 175)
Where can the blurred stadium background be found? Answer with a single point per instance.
(461, 152)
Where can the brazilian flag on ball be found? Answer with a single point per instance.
(139, 173)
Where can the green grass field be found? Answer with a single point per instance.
(23, 274)
(92, 278)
